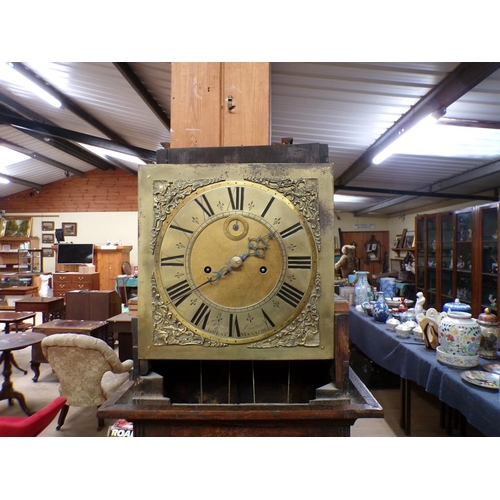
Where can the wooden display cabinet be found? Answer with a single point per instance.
(457, 257)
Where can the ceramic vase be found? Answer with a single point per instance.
(459, 334)
(362, 289)
(381, 311)
(490, 335)
(388, 287)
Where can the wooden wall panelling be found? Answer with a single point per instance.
(97, 191)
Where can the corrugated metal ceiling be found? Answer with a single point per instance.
(349, 106)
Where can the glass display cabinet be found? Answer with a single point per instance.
(463, 256)
(488, 223)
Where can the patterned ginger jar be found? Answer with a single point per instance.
(490, 335)
(459, 336)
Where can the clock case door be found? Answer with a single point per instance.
(161, 336)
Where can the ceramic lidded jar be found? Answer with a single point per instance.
(362, 289)
(381, 311)
(456, 306)
(388, 287)
(459, 334)
(490, 335)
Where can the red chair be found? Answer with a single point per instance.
(34, 424)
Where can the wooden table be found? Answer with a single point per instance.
(19, 290)
(121, 324)
(9, 343)
(50, 307)
(98, 329)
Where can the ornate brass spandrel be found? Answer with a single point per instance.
(303, 331)
(166, 197)
(303, 193)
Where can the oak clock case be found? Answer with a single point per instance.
(236, 262)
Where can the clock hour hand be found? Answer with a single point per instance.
(258, 246)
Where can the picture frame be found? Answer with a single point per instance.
(402, 240)
(47, 225)
(47, 238)
(409, 239)
(397, 241)
(69, 228)
(18, 227)
(3, 225)
(47, 252)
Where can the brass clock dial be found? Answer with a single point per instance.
(234, 264)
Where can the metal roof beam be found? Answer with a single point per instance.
(22, 182)
(464, 78)
(66, 102)
(434, 190)
(39, 157)
(138, 86)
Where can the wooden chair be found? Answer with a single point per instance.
(89, 371)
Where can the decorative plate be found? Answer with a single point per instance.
(492, 367)
(482, 379)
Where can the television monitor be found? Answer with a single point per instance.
(75, 253)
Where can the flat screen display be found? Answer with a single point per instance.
(75, 253)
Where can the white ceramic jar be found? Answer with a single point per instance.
(459, 334)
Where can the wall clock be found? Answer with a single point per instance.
(236, 261)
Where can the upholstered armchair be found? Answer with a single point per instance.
(32, 425)
(89, 371)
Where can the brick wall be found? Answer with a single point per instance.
(97, 191)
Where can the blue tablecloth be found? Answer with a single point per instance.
(411, 360)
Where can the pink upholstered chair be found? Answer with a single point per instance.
(34, 424)
(89, 371)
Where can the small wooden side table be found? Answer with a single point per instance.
(9, 343)
(121, 324)
(50, 307)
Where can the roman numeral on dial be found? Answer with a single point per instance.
(183, 229)
(201, 316)
(234, 327)
(290, 295)
(179, 292)
(172, 261)
(299, 262)
(268, 319)
(205, 205)
(268, 206)
(290, 230)
(236, 197)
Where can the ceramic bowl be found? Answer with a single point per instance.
(455, 359)
(396, 302)
(403, 331)
(418, 334)
(392, 323)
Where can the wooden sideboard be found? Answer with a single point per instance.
(108, 262)
(68, 281)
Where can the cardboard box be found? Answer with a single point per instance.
(86, 269)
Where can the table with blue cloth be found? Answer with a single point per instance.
(413, 362)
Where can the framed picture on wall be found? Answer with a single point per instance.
(47, 238)
(69, 228)
(409, 239)
(18, 227)
(47, 252)
(47, 225)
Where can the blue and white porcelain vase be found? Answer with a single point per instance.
(381, 311)
(362, 289)
(388, 287)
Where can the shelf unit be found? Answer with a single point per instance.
(457, 255)
(20, 261)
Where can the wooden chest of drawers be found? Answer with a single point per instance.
(64, 282)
